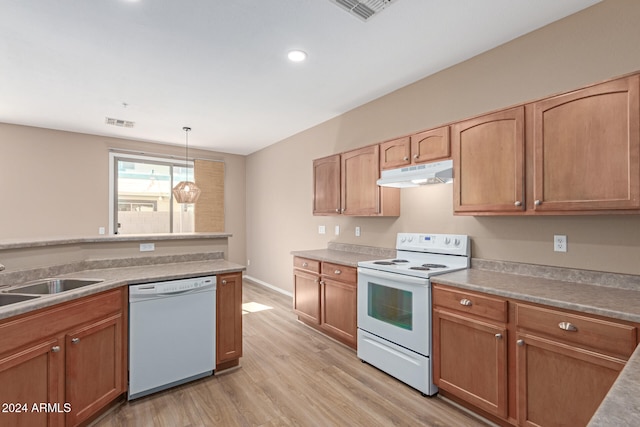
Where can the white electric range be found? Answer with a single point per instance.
(394, 304)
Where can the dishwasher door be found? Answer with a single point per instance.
(171, 333)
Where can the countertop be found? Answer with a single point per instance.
(122, 276)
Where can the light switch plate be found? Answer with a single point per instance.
(322, 229)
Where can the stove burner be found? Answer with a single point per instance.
(420, 267)
(384, 263)
(399, 260)
(434, 265)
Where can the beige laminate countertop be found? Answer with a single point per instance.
(347, 258)
(621, 406)
(123, 276)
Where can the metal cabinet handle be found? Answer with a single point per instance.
(415, 156)
(405, 158)
(520, 343)
(338, 210)
(75, 340)
(337, 272)
(304, 264)
(224, 282)
(499, 336)
(518, 203)
(466, 302)
(322, 282)
(55, 348)
(537, 202)
(566, 326)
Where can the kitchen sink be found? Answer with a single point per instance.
(6, 299)
(52, 286)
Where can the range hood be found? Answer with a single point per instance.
(415, 175)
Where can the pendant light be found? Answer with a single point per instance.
(186, 191)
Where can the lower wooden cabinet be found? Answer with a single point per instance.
(524, 364)
(228, 320)
(325, 298)
(66, 362)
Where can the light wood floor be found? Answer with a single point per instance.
(290, 375)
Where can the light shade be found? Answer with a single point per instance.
(186, 192)
(297, 55)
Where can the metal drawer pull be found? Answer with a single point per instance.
(466, 302)
(224, 282)
(518, 203)
(55, 348)
(520, 343)
(566, 326)
(337, 272)
(499, 336)
(75, 340)
(304, 264)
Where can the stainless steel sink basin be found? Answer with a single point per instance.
(52, 286)
(6, 299)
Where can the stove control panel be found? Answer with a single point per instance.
(452, 244)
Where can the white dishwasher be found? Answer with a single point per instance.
(172, 327)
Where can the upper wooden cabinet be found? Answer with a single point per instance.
(346, 184)
(580, 151)
(422, 147)
(586, 148)
(326, 185)
(488, 155)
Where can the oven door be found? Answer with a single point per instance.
(395, 307)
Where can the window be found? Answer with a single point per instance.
(142, 201)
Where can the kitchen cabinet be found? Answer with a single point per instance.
(525, 364)
(488, 162)
(324, 297)
(71, 356)
(338, 302)
(427, 146)
(566, 364)
(470, 348)
(326, 182)
(228, 320)
(578, 152)
(357, 191)
(586, 148)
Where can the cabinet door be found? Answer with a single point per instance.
(228, 317)
(587, 148)
(326, 186)
(488, 161)
(32, 375)
(339, 305)
(560, 385)
(430, 145)
(360, 171)
(395, 154)
(470, 360)
(94, 366)
(306, 296)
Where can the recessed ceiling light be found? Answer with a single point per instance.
(297, 55)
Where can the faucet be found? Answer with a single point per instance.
(2, 267)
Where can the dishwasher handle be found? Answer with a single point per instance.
(171, 288)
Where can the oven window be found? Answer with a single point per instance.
(391, 305)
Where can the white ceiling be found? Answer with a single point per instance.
(221, 67)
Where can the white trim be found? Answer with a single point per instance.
(268, 285)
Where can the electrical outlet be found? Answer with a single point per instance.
(337, 230)
(560, 243)
(248, 262)
(357, 231)
(147, 247)
(101, 230)
(322, 229)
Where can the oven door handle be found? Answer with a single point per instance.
(392, 276)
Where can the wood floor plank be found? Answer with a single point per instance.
(290, 375)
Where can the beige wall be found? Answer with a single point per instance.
(596, 44)
(37, 164)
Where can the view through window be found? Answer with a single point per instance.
(143, 200)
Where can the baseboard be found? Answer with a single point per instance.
(267, 285)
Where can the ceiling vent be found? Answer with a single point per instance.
(363, 9)
(118, 122)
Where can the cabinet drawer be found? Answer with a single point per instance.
(470, 303)
(607, 336)
(306, 264)
(340, 272)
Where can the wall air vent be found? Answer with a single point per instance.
(363, 9)
(118, 122)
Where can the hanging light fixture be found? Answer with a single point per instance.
(186, 191)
